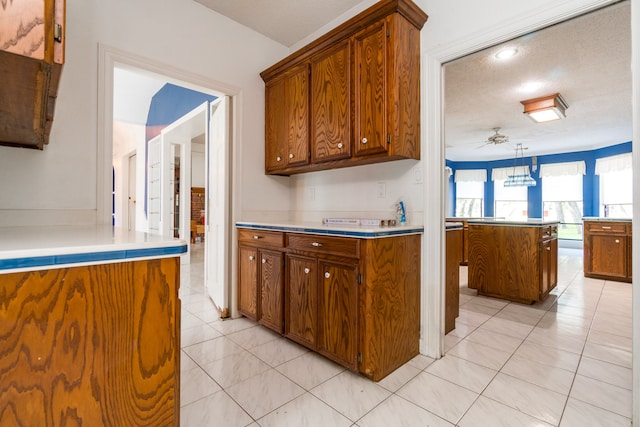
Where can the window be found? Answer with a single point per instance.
(616, 177)
(562, 197)
(470, 192)
(509, 202)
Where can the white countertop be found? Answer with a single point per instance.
(531, 222)
(38, 247)
(364, 232)
(601, 218)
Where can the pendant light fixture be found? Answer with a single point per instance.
(521, 176)
(545, 108)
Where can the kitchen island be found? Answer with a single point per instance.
(89, 327)
(513, 260)
(350, 293)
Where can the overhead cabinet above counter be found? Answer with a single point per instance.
(349, 98)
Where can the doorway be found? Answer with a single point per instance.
(178, 150)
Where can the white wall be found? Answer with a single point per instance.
(58, 185)
(197, 165)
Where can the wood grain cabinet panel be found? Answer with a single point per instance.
(607, 250)
(96, 345)
(32, 43)
(248, 282)
(331, 104)
(364, 100)
(454, 241)
(302, 300)
(272, 289)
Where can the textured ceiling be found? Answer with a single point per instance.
(586, 59)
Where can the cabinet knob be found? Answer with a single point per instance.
(364, 140)
(340, 145)
(605, 227)
(617, 241)
(306, 270)
(548, 248)
(316, 244)
(278, 159)
(291, 156)
(256, 237)
(251, 258)
(327, 275)
(264, 261)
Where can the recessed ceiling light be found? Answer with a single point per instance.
(506, 53)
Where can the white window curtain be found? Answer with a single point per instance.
(502, 174)
(617, 163)
(563, 169)
(471, 175)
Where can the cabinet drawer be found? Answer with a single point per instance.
(261, 237)
(605, 227)
(324, 244)
(550, 232)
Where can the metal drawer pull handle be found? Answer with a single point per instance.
(604, 227)
(251, 258)
(256, 237)
(307, 270)
(364, 140)
(264, 261)
(316, 244)
(327, 275)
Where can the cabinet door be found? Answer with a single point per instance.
(331, 104)
(271, 289)
(608, 255)
(302, 300)
(545, 267)
(297, 104)
(337, 312)
(275, 125)
(248, 282)
(370, 90)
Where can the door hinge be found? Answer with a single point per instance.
(359, 279)
(388, 32)
(388, 138)
(57, 33)
(359, 357)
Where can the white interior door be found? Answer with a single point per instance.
(217, 238)
(131, 193)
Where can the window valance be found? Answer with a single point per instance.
(471, 175)
(563, 169)
(501, 174)
(618, 163)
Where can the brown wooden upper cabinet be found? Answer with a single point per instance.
(351, 97)
(31, 58)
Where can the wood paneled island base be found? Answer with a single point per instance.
(516, 261)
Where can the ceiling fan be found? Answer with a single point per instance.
(497, 138)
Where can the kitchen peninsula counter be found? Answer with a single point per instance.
(513, 260)
(359, 231)
(90, 322)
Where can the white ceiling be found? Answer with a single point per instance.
(285, 21)
(586, 59)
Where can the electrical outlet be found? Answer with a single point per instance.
(417, 174)
(381, 190)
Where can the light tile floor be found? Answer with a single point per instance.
(563, 362)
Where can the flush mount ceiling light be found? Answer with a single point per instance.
(507, 52)
(545, 108)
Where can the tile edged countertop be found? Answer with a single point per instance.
(362, 232)
(605, 219)
(41, 247)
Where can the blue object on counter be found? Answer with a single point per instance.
(402, 212)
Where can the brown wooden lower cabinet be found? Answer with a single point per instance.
(355, 301)
(517, 262)
(454, 239)
(607, 250)
(94, 345)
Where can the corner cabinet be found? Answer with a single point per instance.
(362, 103)
(607, 250)
(355, 301)
(31, 57)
